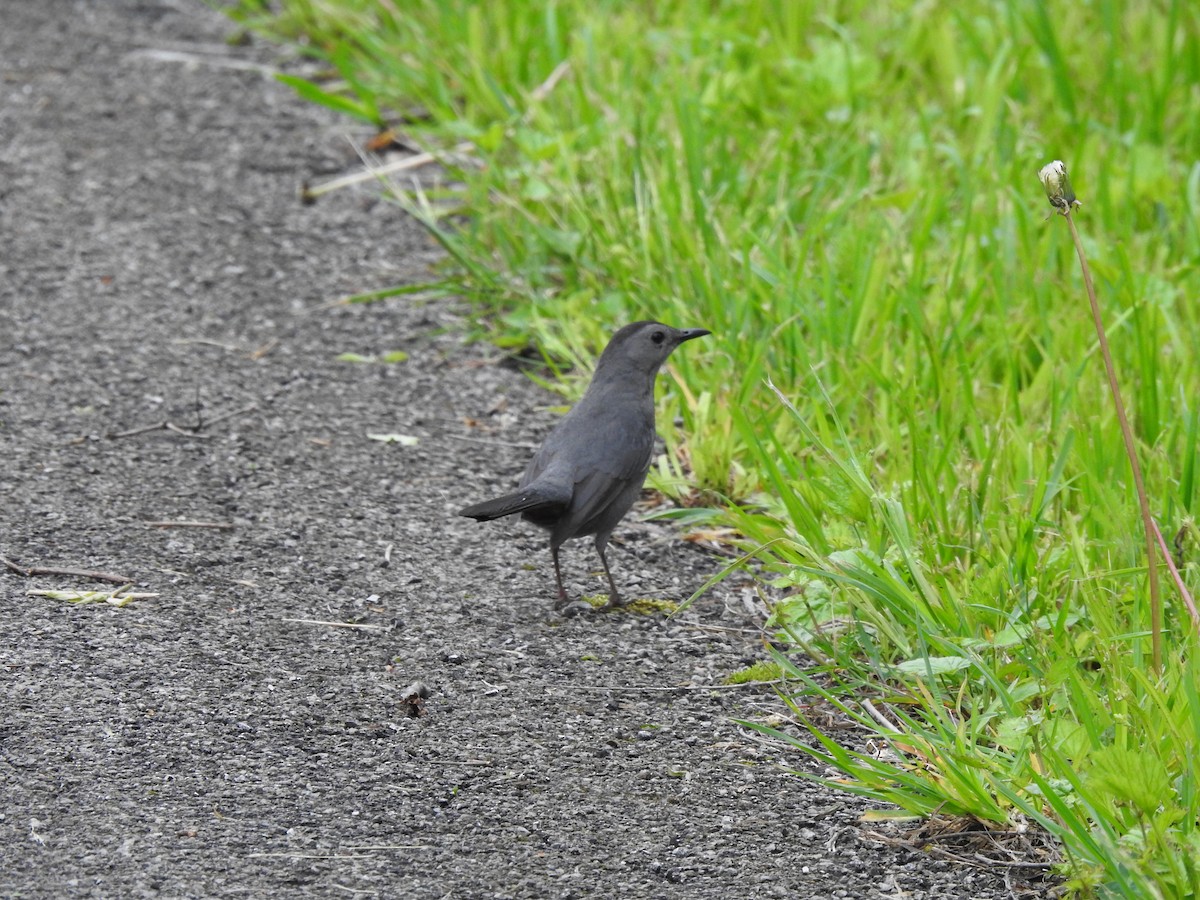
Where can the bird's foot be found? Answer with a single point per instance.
(614, 602)
(568, 609)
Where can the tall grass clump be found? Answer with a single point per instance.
(936, 488)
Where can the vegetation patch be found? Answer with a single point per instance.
(903, 414)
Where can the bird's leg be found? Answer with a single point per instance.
(614, 598)
(562, 594)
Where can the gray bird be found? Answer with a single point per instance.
(590, 469)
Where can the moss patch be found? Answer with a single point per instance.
(643, 606)
(763, 670)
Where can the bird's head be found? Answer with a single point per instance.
(642, 347)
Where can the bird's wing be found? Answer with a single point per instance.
(608, 472)
(615, 438)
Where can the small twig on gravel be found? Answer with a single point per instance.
(224, 526)
(157, 426)
(119, 598)
(335, 624)
(186, 432)
(600, 689)
(249, 407)
(351, 890)
(879, 717)
(1020, 847)
(309, 194)
(163, 54)
(306, 856)
(980, 861)
(264, 349)
(167, 425)
(357, 847)
(988, 862)
(490, 442)
(30, 571)
(724, 629)
(256, 353)
(205, 342)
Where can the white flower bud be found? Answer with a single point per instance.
(1058, 186)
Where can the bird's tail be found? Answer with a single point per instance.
(531, 499)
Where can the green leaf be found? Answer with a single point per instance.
(1133, 776)
(564, 243)
(311, 92)
(536, 189)
(434, 288)
(933, 665)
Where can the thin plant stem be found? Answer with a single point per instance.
(1127, 433)
(1188, 601)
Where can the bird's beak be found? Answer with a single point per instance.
(686, 334)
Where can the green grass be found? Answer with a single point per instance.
(847, 196)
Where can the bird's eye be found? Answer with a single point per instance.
(658, 337)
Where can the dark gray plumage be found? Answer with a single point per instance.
(590, 469)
